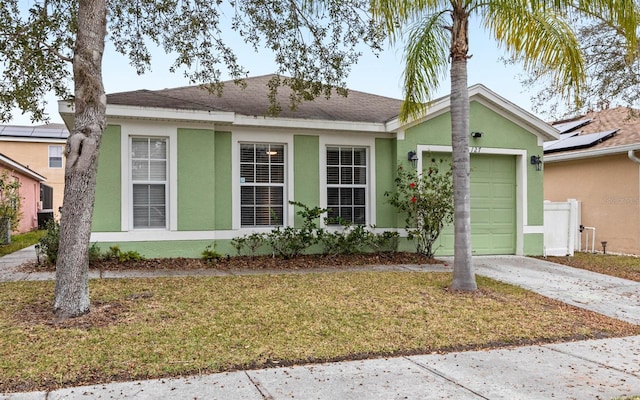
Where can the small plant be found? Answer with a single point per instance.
(385, 242)
(95, 253)
(115, 253)
(249, 244)
(48, 244)
(289, 242)
(210, 255)
(426, 200)
(352, 239)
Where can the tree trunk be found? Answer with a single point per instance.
(463, 273)
(72, 267)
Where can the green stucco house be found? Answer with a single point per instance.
(180, 169)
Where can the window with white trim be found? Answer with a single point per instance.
(149, 182)
(55, 156)
(347, 184)
(262, 184)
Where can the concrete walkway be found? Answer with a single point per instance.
(594, 369)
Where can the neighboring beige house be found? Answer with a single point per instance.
(595, 162)
(30, 182)
(40, 148)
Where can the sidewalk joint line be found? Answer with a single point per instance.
(261, 389)
(445, 377)
(590, 361)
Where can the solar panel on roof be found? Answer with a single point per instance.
(54, 132)
(563, 136)
(565, 127)
(580, 141)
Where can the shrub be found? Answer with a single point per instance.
(210, 255)
(426, 200)
(115, 253)
(249, 244)
(385, 242)
(9, 204)
(48, 244)
(95, 253)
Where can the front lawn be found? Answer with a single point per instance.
(20, 241)
(627, 267)
(146, 328)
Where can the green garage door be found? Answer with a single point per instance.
(493, 205)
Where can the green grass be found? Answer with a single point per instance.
(146, 328)
(20, 241)
(626, 267)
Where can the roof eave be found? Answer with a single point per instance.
(66, 110)
(492, 100)
(23, 169)
(590, 153)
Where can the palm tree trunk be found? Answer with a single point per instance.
(72, 267)
(463, 273)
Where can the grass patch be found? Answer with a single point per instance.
(626, 267)
(20, 241)
(146, 328)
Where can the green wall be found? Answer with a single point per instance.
(223, 185)
(306, 175)
(498, 132)
(196, 180)
(386, 164)
(106, 213)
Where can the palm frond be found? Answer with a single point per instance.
(540, 38)
(426, 56)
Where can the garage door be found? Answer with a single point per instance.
(493, 206)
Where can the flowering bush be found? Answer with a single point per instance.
(426, 201)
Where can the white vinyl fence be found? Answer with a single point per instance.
(561, 227)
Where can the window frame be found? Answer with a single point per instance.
(352, 186)
(255, 163)
(350, 140)
(258, 135)
(61, 157)
(132, 182)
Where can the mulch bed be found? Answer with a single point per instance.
(252, 263)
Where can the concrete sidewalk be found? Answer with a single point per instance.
(595, 369)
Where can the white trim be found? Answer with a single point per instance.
(297, 123)
(351, 141)
(66, 108)
(32, 140)
(253, 135)
(147, 129)
(575, 155)
(61, 147)
(521, 183)
(528, 229)
(164, 235)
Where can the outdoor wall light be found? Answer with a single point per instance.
(413, 157)
(537, 161)
(476, 135)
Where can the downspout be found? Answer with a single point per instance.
(633, 157)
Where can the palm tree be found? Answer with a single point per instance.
(537, 33)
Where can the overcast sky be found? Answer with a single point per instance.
(381, 75)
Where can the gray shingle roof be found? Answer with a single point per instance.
(252, 100)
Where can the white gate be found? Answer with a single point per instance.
(561, 227)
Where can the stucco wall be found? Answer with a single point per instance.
(30, 197)
(608, 189)
(35, 155)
